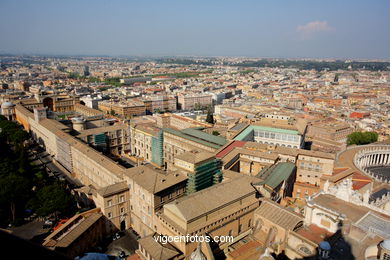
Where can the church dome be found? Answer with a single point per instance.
(325, 245)
(266, 255)
(78, 120)
(197, 254)
(386, 244)
(7, 105)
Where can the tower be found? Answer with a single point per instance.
(40, 113)
(7, 110)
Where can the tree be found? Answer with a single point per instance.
(14, 192)
(52, 199)
(209, 117)
(216, 133)
(360, 138)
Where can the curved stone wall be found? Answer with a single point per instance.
(375, 162)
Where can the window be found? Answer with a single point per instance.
(109, 203)
(239, 228)
(249, 223)
(109, 215)
(122, 198)
(122, 210)
(230, 232)
(305, 250)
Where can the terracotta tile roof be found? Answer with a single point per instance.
(229, 148)
(314, 233)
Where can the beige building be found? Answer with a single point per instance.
(178, 122)
(78, 234)
(150, 189)
(113, 139)
(114, 202)
(160, 103)
(228, 212)
(177, 142)
(141, 141)
(125, 109)
(329, 129)
(194, 101)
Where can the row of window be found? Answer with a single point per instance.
(121, 210)
(120, 200)
(277, 136)
(310, 167)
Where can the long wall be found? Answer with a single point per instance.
(86, 164)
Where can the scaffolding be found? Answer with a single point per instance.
(157, 148)
(205, 175)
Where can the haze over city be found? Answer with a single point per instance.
(195, 130)
(279, 29)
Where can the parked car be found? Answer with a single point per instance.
(121, 254)
(116, 236)
(47, 224)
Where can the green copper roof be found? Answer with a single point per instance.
(250, 128)
(199, 137)
(276, 174)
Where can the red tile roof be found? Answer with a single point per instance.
(359, 181)
(229, 148)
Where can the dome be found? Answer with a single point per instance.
(197, 254)
(324, 245)
(371, 251)
(266, 255)
(78, 120)
(7, 105)
(386, 244)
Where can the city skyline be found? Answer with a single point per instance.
(348, 30)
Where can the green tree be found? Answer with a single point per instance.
(216, 133)
(14, 192)
(210, 117)
(360, 138)
(53, 199)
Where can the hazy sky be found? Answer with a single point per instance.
(259, 28)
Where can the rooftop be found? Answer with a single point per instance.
(278, 215)
(211, 199)
(198, 136)
(276, 174)
(152, 179)
(113, 189)
(72, 229)
(156, 250)
(241, 136)
(195, 156)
